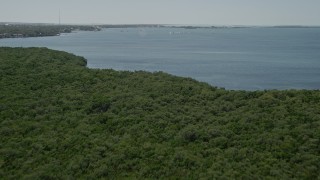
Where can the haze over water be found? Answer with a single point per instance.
(233, 58)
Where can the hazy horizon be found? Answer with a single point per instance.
(173, 12)
(176, 25)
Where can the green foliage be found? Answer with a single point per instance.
(39, 30)
(61, 120)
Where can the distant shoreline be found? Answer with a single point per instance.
(25, 30)
(39, 30)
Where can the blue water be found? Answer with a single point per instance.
(234, 58)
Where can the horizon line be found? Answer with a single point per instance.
(166, 24)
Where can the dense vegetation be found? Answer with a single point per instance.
(59, 119)
(38, 30)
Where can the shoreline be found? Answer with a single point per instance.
(33, 30)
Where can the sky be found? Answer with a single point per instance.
(195, 12)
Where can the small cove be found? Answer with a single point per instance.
(233, 58)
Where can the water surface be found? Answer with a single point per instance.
(233, 58)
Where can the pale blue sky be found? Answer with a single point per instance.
(213, 12)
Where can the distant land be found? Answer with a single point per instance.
(23, 30)
(8, 30)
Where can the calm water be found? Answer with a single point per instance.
(239, 58)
